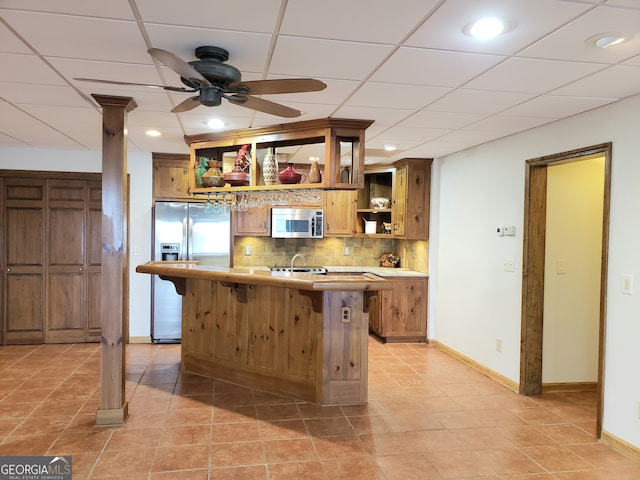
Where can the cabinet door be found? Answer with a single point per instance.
(252, 222)
(339, 213)
(170, 177)
(23, 241)
(404, 309)
(400, 202)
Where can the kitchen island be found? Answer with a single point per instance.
(293, 334)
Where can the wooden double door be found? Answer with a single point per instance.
(51, 256)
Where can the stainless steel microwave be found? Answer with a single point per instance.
(297, 223)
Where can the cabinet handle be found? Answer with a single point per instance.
(8, 269)
(80, 268)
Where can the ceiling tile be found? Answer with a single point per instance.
(112, 9)
(446, 120)
(28, 69)
(355, 61)
(92, 38)
(243, 15)
(419, 66)
(477, 101)
(509, 123)
(82, 124)
(528, 75)
(617, 81)
(319, 20)
(528, 22)
(9, 43)
(24, 127)
(171, 140)
(569, 42)
(393, 95)
(21, 93)
(555, 106)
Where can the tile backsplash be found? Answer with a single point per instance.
(267, 251)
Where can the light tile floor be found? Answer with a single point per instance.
(429, 417)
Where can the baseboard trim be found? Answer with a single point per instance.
(620, 445)
(501, 379)
(570, 387)
(140, 339)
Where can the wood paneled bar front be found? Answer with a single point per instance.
(294, 334)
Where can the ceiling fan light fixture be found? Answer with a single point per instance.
(215, 124)
(606, 40)
(153, 133)
(486, 28)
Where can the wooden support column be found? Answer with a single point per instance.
(114, 308)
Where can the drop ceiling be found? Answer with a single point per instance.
(430, 89)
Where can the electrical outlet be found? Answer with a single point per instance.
(639, 409)
(345, 314)
(627, 284)
(247, 250)
(498, 345)
(347, 251)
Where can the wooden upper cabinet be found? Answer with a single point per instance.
(339, 213)
(253, 222)
(170, 176)
(412, 198)
(337, 145)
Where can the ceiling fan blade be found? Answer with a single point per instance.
(179, 66)
(264, 106)
(189, 104)
(115, 82)
(283, 85)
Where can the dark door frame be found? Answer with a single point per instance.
(535, 203)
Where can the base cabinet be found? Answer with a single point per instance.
(400, 314)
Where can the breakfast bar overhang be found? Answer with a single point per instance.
(294, 334)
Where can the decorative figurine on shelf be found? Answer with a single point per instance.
(201, 168)
(290, 175)
(270, 168)
(239, 176)
(315, 176)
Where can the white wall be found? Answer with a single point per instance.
(474, 301)
(573, 247)
(139, 166)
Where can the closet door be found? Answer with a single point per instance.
(23, 242)
(66, 312)
(93, 246)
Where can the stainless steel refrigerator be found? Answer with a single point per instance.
(183, 231)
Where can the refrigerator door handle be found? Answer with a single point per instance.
(189, 239)
(184, 248)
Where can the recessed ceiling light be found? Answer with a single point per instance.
(390, 148)
(153, 133)
(486, 28)
(604, 40)
(215, 123)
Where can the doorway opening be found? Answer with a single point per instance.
(533, 268)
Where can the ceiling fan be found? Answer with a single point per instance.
(213, 80)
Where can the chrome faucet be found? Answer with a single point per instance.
(296, 256)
